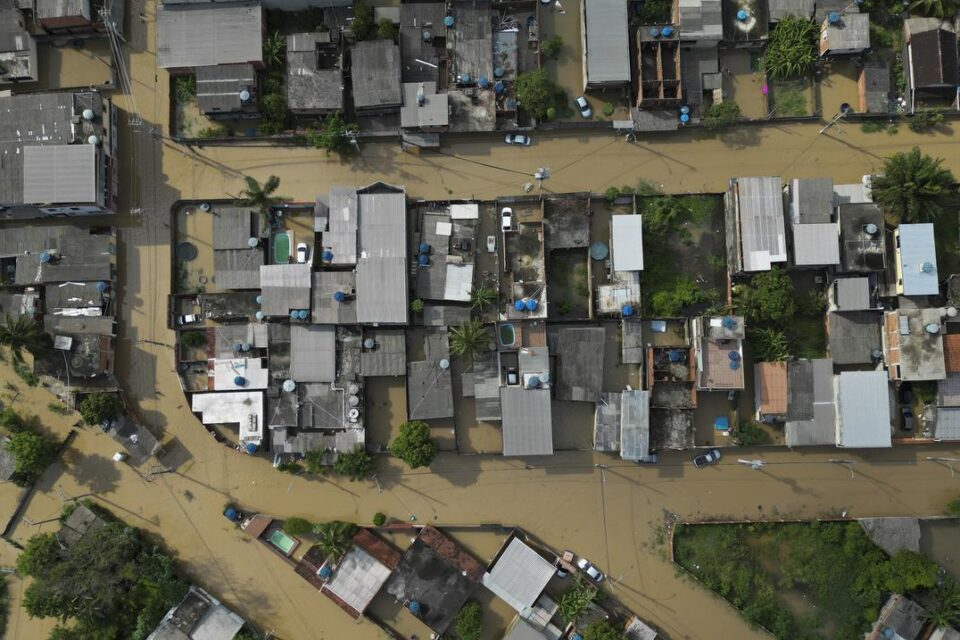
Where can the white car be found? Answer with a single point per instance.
(595, 574)
(189, 318)
(585, 109)
(517, 138)
(301, 252)
(506, 219)
(491, 244)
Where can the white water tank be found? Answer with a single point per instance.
(88, 114)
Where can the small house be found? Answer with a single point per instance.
(756, 239)
(873, 87)
(913, 344)
(930, 60)
(314, 83)
(718, 348)
(227, 91)
(209, 33)
(811, 406)
(770, 391)
(916, 262)
(606, 47)
(844, 33)
(863, 410)
(199, 616)
(375, 70)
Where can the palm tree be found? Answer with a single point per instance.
(261, 198)
(482, 296)
(469, 340)
(273, 47)
(935, 8)
(943, 605)
(24, 333)
(335, 537)
(914, 187)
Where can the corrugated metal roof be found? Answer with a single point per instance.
(313, 353)
(310, 88)
(429, 391)
(60, 174)
(852, 33)
(863, 407)
(527, 422)
(811, 200)
(948, 391)
(388, 356)
(852, 294)
(853, 336)
(382, 290)
(816, 244)
(47, 9)
(238, 268)
(519, 576)
(284, 287)
(627, 240)
(341, 234)
(701, 19)
(232, 227)
(635, 425)
(326, 309)
(209, 34)
(434, 112)
(606, 422)
(219, 87)
(917, 256)
(375, 68)
(947, 425)
(811, 408)
(486, 387)
(580, 369)
(760, 208)
(606, 49)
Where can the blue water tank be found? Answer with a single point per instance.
(103, 287)
(533, 381)
(303, 314)
(237, 346)
(424, 260)
(339, 296)
(742, 15)
(251, 448)
(675, 355)
(833, 17)
(499, 87)
(498, 72)
(259, 315)
(327, 255)
(734, 355)
(239, 381)
(654, 32)
(245, 346)
(684, 109)
(448, 21)
(483, 82)
(465, 78)
(414, 607)
(729, 322)
(667, 32)
(45, 257)
(424, 247)
(519, 305)
(230, 514)
(627, 310)
(684, 117)
(293, 315)
(325, 572)
(260, 299)
(532, 305)
(734, 364)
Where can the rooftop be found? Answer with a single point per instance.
(932, 58)
(326, 309)
(606, 46)
(80, 256)
(423, 106)
(635, 425)
(606, 422)
(853, 337)
(375, 68)
(340, 234)
(357, 579)
(233, 227)
(472, 39)
(382, 290)
(811, 200)
(875, 78)
(580, 367)
(759, 205)
(917, 260)
(219, 88)
(701, 19)
(439, 575)
(816, 244)
(199, 616)
(314, 73)
(313, 353)
(911, 351)
(285, 287)
(902, 616)
(18, 49)
(626, 251)
(421, 33)
(195, 35)
(388, 356)
(951, 352)
(519, 575)
(811, 406)
(850, 34)
(861, 238)
(527, 421)
(863, 409)
(770, 383)
(486, 387)
(429, 389)
(852, 294)
(946, 426)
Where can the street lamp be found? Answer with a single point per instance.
(947, 461)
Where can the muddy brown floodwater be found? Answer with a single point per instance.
(611, 515)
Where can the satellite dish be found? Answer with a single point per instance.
(444, 364)
(88, 114)
(93, 140)
(871, 229)
(289, 386)
(244, 96)
(369, 343)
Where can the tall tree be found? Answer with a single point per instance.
(261, 197)
(335, 537)
(356, 465)
(935, 8)
(469, 340)
(24, 333)
(482, 297)
(32, 453)
(914, 187)
(414, 444)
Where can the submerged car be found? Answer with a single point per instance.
(708, 458)
(518, 138)
(584, 108)
(595, 574)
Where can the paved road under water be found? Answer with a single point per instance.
(610, 515)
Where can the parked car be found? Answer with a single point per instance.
(585, 109)
(653, 458)
(907, 418)
(704, 459)
(188, 318)
(301, 252)
(491, 244)
(506, 219)
(233, 514)
(512, 377)
(595, 574)
(518, 138)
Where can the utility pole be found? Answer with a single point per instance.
(753, 464)
(844, 109)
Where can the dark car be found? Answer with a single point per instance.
(907, 418)
(906, 393)
(653, 458)
(233, 514)
(704, 459)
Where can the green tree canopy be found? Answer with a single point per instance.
(97, 407)
(467, 626)
(551, 46)
(274, 46)
(386, 29)
(769, 344)
(720, 115)
(297, 526)
(24, 333)
(604, 630)
(414, 445)
(314, 459)
(908, 570)
(32, 453)
(791, 48)
(469, 340)
(577, 600)
(914, 187)
(769, 297)
(333, 134)
(335, 537)
(356, 465)
(935, 8)
(953, 507)
(362, 25)
(41, 552)
(536, 92)
(261, 197)
(482, 297)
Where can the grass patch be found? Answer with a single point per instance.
(947, 235)
(568, 284)
(801, 580)
(789, 99)
(807, 337)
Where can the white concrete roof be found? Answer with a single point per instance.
(519, 576)
(244, 408)
(465, 211)
(863, 409)
(627, 238)
(226, 370)
(459, 282)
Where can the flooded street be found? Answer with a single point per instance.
(612, 515)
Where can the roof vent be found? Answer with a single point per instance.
(88, 114)
(870, 229)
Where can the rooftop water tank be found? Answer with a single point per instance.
(413, 605)
(531, 305)
(369, 343)
(424, 247)
(627, 310)
(289, 386)
(239, 381)
(88, 114)
(245, 346)
(244, 95)
(424, 260)
(427, 36)
(871, 229)
(103, 287)
(519, 305)
(448, 21)
(833, 17)
(353, 415)
(927, 267)
(654, 32)
(444, 363)
(258, 315)
(252, 242)
(666, 32)
(742, 15)
(684, 118)
(260, 299)
(325, 572)
(483, 82)
(94, 140)
(353, 401)
(951, 312)
(339, 296)
(932, 327)
(327, 255)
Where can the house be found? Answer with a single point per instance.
(314, 73)
(745, 24)
(811, 405)
(338, 227)
(424, 108)
(18, 48)
(718, 347)
(527, 421)
(900, 619)
(446, 258)
(862, 246)
(637, 629)
(782, 8)
(79, 17)
(853, 338)
(384, 353)
(81, 521)
(59, 155)
(243, 408)
(579, 352)
(851, 294)
(518, 576)
(429, 382)
(422, 41)
(606, 50)
(238, 253)
(382, 290)
(285, 289)
(863, 409)
(770, 391)
(621, 293)
(375, 69)
(913, 344)
(755, 224)
(227, 91)
(811, 201)
(209, 33)
(334, 297)
(700, 22)
(199, 616)
(313, 355)
(470, 51)
(916, 262)
(626, 242)
(816, 245)
(844, 33)
(434, 579)
(873, 87)
(622, 424)
(930, 60)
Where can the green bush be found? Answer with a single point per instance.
(26, 374)
(386, 29)
(467, 625)
(273, 114)
(923, 121)
(208, 133)
(356, 465)
(193, 339)
(720, 115)
(608, 109)
(611, 194)
(32, 453)
(379, 519)
(551, 46)
(416, 305)
(749, 433)
(314, 460)
(362, 25)
(537, 93)
(333, 133)
(769, 297)
(953, 507)
(293, 468)
(604, 630)
(791, 48)
(184, 89)
(770, 344)
(11, 420)
(298, 526)
(414, 445)
(97, 407)
(655, 12)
